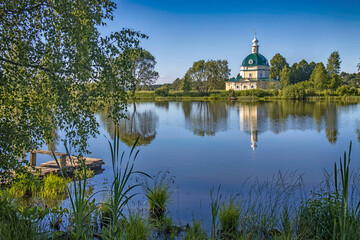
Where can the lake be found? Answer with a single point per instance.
(204, 144)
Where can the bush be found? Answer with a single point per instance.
(162, 91)
(345, 90)
(295, 91)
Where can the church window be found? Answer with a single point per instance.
(250, 75)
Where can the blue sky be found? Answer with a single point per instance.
(181, 32)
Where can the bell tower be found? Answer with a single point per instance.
(255, 46)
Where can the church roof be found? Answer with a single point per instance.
(238, 79)
(255, 59)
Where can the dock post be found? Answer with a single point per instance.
(63, 163)
(32, 158)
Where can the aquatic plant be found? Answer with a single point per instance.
(158, 194)
(18, 222)
(195, 232)
(215, 206)
(25, 184)
(229, 218)
(53, 186)
(81, 205)
(121, 189)
(80, 173)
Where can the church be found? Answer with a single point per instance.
(254, 72)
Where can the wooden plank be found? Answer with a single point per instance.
(33, 159)
(59, 154)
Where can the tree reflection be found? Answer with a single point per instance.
(205, 118)
(135, 124)
(281, 116)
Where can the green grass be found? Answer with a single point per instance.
(229, 218)
(196, 232)
(159, 195)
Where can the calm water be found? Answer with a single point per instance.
(204, 144)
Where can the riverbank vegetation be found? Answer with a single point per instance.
(278, 208)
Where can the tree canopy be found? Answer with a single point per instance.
(278, 62)
(320, 77)
(54, 66)
(143, 69)
(333, 64)
(208, 75)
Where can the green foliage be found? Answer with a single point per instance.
(345, 90)
(278, 62)
(186, 85)
(121, 191)
(54, 186)
(301, 71)
(335, 81)
(316, 217)
(158, 194)
(295, 91)
(162, 91)
(229, 218)
(285, 77)
(142, 68)
(353, 79)
(320, 77)
(176, 85)
(195, 232)
(208, 75)
(333, 64)
(80, 173)
(25, 184)
(214, 207)
(54, 65)
(18, 222)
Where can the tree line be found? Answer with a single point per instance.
(204, 76)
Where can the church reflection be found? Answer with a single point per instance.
(278, 117)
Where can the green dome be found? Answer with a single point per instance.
(255, 59)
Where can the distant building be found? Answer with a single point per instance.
(254, 72)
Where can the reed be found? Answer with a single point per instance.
(121, 191)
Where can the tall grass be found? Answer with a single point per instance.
(229, 218)
(82, 206)
(158, 194)
(121, 189)
(215, 206)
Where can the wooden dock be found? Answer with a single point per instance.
(67, 163)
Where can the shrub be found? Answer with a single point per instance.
(345, 90)
(162, 91)
(295, 91)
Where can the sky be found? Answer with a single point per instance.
(182, 32)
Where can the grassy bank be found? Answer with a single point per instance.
(273, 209)
(252, 95)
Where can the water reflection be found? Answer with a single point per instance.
(136, 124)
(205, 118)
(256, 118)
